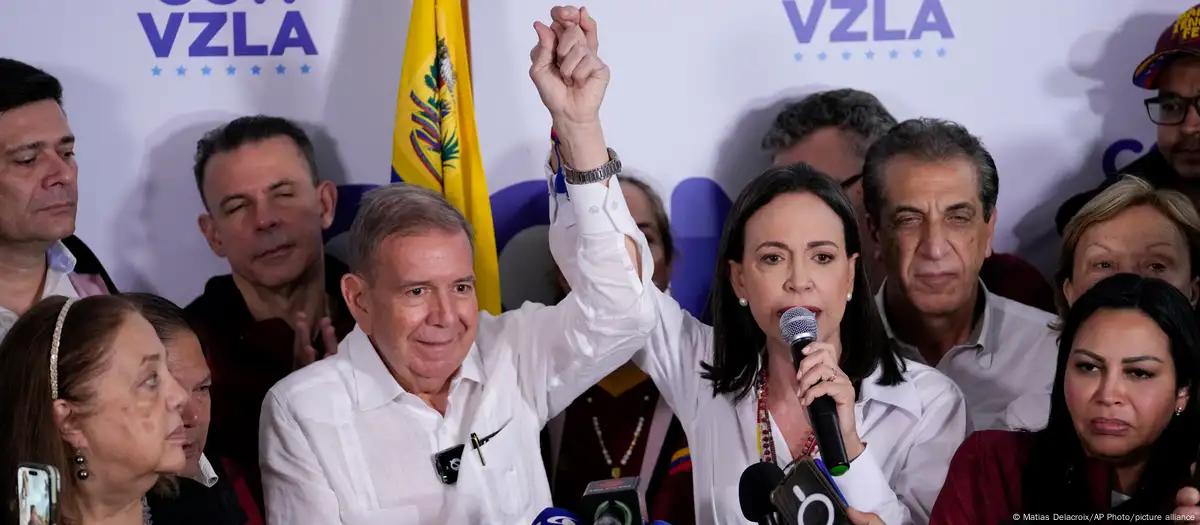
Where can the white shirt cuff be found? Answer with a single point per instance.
(865, 487)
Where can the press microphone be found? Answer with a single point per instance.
(757, 483)
(556, 516)
(808, 497)
(799, 328)
(613, 502)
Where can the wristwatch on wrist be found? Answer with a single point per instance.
(606, 170)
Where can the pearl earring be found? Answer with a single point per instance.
(81, 471)
(742, 301)
(849, 295)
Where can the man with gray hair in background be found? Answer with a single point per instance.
(431, 411)
(832, 131)
(930, 190)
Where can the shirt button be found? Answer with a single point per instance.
(594, 209)
(613, 206)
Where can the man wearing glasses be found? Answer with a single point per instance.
(832, 131)
(1174, 70)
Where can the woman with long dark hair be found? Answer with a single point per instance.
(1123, 427)
(791, 239)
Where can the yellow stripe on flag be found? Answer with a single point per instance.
(434, 143)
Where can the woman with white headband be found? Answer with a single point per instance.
(84, 388)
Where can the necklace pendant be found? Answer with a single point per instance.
(616, 472)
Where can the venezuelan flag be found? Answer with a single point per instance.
(681, 461)
(434, 143)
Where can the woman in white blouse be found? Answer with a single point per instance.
(791, 240)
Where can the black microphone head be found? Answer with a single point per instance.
(754, 490)
(798, 323)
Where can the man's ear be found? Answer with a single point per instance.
(209, 229)
(67, 419)
(327, 197)
(873, 231)
(354, 292)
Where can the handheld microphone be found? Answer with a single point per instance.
(556, 516)
(613, 502)
(757, 483)
(807, 497)
(799, 328)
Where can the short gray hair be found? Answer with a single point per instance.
(931, 140)
(858, 113)
(400, 209)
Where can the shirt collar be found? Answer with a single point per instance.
(903, 395)
(374, 385)
(60, 259)
(208, 476)
(978, 336)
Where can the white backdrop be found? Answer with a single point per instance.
(695, 84)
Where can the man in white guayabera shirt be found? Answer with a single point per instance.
(430, 412)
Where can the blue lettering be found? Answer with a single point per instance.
(175, 2)
(842, 32)
(200, 47)
(1109, 161)
(293, 22)
(161, 42)
(221, 2)
(240, 47)
(882, 32)
(804, 31)
(931, 17)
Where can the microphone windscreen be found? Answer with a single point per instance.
(556, 516)
(755, 487)
(796, 323)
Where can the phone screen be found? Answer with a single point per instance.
(36, 490)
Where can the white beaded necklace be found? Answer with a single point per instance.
(637, 433)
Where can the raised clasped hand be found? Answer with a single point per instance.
(569, 75)
(820, 375)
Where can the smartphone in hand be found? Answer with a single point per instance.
(38, 486)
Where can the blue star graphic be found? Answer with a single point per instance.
(157, 71)
(305, 69)
(279, 70)
(256, 70)
(845, 55)
(821, 56)
(894, 54)
(941, 52)
(798, 56)
(230, 70)
(181, 71)
(870, 55)
(206, 71)
(917, 53)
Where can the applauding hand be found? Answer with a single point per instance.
(1187, 504)
(303, 351)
